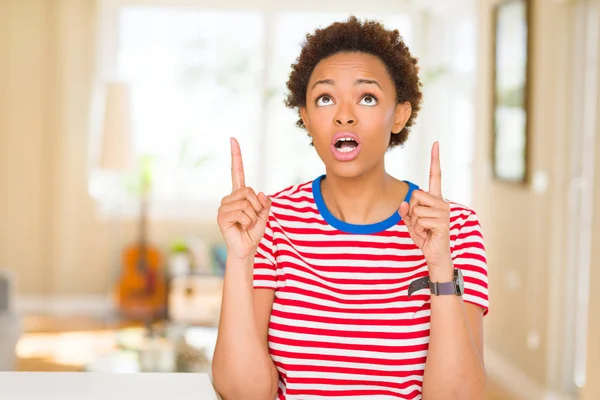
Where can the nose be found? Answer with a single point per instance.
(345, 116)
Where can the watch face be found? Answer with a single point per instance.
(458, 279)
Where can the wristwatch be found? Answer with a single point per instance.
(455, 287)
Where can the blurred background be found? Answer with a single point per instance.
(115, 118)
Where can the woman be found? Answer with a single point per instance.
(357, 284)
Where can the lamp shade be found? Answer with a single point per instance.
(116, 153)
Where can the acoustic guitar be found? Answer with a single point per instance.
(142, 288)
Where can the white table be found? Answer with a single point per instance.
(100, 386)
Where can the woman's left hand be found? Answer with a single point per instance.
(427, 217)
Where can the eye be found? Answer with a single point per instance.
(368, 100)
(324, 100)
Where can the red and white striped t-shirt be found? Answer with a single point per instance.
(342, 324)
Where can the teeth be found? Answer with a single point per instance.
(345, 149)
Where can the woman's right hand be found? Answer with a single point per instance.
(243, 214)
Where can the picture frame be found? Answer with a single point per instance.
(510, 82)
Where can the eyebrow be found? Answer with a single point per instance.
(357, 82)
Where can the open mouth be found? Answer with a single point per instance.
(345, 145)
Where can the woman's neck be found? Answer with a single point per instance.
(366, 199)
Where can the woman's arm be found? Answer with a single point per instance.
(263, 303)
(242, 367)
(454, 367)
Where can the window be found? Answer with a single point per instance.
(194, 83)
(199, 75)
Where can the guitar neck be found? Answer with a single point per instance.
(142, 236)
(143, 224)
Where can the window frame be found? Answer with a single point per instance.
(107, 45)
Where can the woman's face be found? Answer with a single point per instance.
(351, 111)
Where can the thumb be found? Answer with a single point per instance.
(266, 203)
(404, 208)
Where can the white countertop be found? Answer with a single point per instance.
(105, 386)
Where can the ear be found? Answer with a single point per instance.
(304, 116)
(401, 116)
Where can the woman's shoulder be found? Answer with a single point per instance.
(295, 192)
(460, 208)
(463, 217)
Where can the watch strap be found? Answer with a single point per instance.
(418, 284)
(453, 287)
(443, 288)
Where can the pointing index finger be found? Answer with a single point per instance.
(237, 166)
(435, 171)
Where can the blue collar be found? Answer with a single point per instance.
(367, 229)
